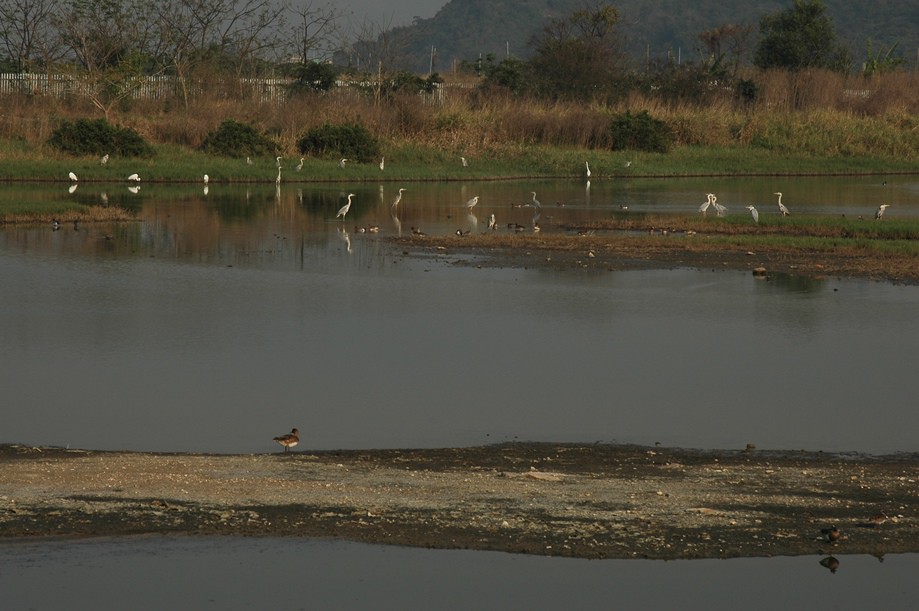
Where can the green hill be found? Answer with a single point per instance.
(467, 29)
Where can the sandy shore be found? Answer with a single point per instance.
(596, 501)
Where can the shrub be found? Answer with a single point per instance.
(345, 140)
(98, 137)
(313, 76)
(234, 139)
(640, 132)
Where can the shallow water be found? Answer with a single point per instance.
(238, 573)
(220, 321)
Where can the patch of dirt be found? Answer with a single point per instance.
(596, 501)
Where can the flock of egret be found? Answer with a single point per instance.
(712, 202)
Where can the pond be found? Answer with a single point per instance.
(220, 320)
(247, 573)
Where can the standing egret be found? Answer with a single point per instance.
(277, 180)
(704, 207)
(342, 162)
(782, 207)
(300, 165)
(134, 177)
(398, 199)
(382, 163)
(248, 160)
(535, 201)
(104, 159)
(465, 163)
(587, 165)
(472, 202)
(880, 213)
(207, 179)
(278, 161)
(73, 177)
(492, 223)
(754, 213)
(344, 209)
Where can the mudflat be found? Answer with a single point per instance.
(591, 501)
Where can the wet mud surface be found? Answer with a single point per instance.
(591, 501)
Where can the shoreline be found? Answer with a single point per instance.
(573, 500)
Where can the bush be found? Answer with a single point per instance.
(346, 140)
(640, 132)
(234, 139)
(88, 137)
(313, 76)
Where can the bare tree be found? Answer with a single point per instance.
(27, 33)
(315, 31)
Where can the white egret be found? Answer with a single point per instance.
(207, 179)
(344, 209)
(73, 177)
(398, 199)
(278, 160)
(382, 163)
(134, 177)
(289, 440)
(880, 213)
(341, 163)
(754, 213)
(535, 201)
(465, 163)
(248, 161)
(300, 165)
(104, 159)
(587, 165)
(492, 223)
(704, 207)
(472, 202)
(782, 207)
(277, 180)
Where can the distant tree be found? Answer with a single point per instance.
(26, 32)
(800, 37)
(726, 47)
(578, 56)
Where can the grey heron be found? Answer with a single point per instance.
(289, 440)
(472, 202)
(278, 161)
(465, 163)
(880, 213)
(492, 223)
(344, 209)
(708, 202)
(782, 207)
(300, 165)
(753, 213)
(342, 162)
(535, 201)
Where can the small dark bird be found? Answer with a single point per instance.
(289, 440)
(832, 534)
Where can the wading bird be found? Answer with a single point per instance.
(382, 163)
(704, 207)
(104, 159)
(248, 161)
(753, 213)
(134, 177)
(782, 207)
(207, 179)
(342, 162)
(472, 202)
(344, 209)
(73, 177)
(300, 165)
(277, 180)
(465, 163)
(587, 165)
(289, 440)
(719, 209)
(535, 201)
(880, 213)
(398, 199)
(492, 223)
(278, 161)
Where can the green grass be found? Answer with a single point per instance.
(409, 162)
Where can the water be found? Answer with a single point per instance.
(231, 573)
(220, 321)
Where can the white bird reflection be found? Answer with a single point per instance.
(72, 188)
(397, 223)
(343, 234)
(473, 221)
(135, 189)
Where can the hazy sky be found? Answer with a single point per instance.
(390, 12)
